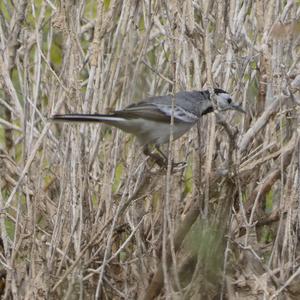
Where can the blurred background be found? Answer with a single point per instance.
(85, 215)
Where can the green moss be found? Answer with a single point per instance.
(152, 57)
(253, 65)
(94, 199)
(267, 235)
(15, 81)
(2, 139)
(269, 201)
(10, 228)
(4, 10)
(123, 256)
(156, 199)
(118, 175)
(106, 4)
(205, 241)
(30, 18)
(19, 152)
(56, 52)
(188, 183)
(142, 24)
(91, 9)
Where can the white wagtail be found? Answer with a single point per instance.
(149, 120)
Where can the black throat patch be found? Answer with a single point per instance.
(208, 110)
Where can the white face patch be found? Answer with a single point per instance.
(223, 100)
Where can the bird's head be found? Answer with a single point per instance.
(224, 101)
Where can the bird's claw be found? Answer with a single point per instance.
(178, 166)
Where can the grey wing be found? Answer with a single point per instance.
(158, 109)
(143, 110)
(189, 105)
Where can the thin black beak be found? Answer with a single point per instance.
(237, 107)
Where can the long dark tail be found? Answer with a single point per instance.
(86, 118)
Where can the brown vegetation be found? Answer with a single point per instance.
(84, 215)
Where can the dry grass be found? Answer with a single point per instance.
(84, 216)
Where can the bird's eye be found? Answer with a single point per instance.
(229, 100)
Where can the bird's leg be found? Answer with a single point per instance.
(156, 157)
(161, 153)
(174, 165)
(161, 159)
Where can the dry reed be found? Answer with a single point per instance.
(85, 216)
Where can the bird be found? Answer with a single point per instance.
(149, 120)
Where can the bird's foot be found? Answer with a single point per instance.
(158, 159)
(178, 166)
(162, 161)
